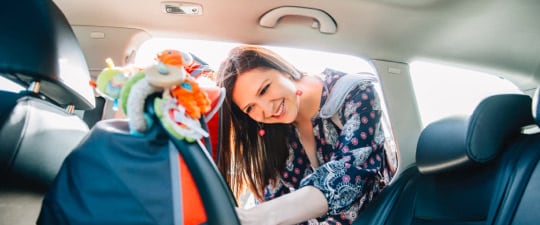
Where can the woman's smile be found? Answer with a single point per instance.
(281, 111)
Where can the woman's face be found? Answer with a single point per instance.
(266, 95)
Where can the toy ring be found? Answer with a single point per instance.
(175, 121)
(164, 76)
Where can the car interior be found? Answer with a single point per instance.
(479, 168)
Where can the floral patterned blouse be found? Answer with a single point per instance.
(351, 155)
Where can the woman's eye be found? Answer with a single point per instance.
(248, 109)
(265, 88)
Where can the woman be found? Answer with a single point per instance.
(307, 152)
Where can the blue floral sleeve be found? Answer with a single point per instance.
(296, 167)
(353, 169)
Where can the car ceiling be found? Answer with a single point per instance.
(496, 36)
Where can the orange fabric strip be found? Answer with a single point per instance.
(192, 206)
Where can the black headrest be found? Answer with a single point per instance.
(458, 141)
(536, 106)
(37, 43)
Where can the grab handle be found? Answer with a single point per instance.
(326, 22)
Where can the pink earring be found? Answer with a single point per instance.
(299, 92)
(261, 130)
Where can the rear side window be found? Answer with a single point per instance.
(445, 90)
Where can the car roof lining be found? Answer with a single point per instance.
(459, 32)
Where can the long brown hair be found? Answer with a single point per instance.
(246, 159)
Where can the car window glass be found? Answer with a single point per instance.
(444, 90)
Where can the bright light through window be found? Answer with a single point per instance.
(210, 52)
(214, 53)
(443, 90)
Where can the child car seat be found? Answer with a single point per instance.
(128, 173)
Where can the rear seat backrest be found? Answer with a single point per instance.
(463, 167)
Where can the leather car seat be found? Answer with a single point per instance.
(464, 165)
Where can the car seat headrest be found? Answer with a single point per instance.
(457, 142)
(38, 44)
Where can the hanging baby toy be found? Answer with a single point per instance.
(182, 102)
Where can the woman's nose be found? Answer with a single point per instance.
(264, 110)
